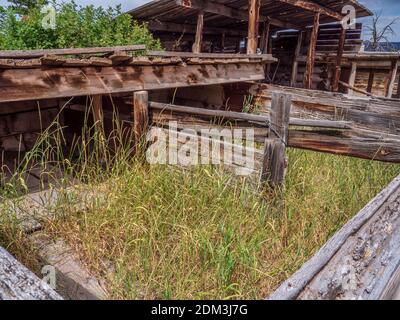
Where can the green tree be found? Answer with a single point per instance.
(76, 26)
(24, 6)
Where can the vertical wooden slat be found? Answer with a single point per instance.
(370, 80)
(308, 76)
(390, 81)
(199, 33)
(336, 73)
(274, 162)
(140, 114)
(352, 79)
(296, 58)
(254, 15)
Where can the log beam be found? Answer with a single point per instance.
(311, 53)
(163, 26)
(238, 14)
(48, 83)
(314, 7)
(252, 37)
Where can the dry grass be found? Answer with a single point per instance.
(196, 234)
(200, 234)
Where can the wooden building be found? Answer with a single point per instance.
(255, 26)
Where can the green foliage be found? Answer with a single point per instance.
(24, 6)
(76, 26)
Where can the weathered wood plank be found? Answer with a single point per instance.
(140, 114)
(260, 119)
(19, 283)
(47, 83)
(274, 161)
(27, 54)
(199, 33)
(349, 251)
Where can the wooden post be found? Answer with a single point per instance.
(98, 115)
(398, 90)
(308, 76)
(274, 162)
(264, 43)
(338, 68)
(296, 58)
(140, 115)
(254, 15)
(390, 81)
(370, 80)
(199, 33)
(352, 79)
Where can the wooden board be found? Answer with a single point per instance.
(47, 83)
(19, 283)
(360, 261)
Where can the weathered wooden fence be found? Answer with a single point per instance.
(374, 131)
(271, 129)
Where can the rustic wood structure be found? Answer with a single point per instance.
(361, 261)
(369, 73)
(224, 27)
(54, 76)
(360, 127)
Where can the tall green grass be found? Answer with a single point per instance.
(164, 232)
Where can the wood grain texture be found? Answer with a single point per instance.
(19, 283)
(47, 83)
(348, 252)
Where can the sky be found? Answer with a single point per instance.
(390, 10)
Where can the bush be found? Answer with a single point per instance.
(76, 26)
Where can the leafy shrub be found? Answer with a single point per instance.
(76, 26)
